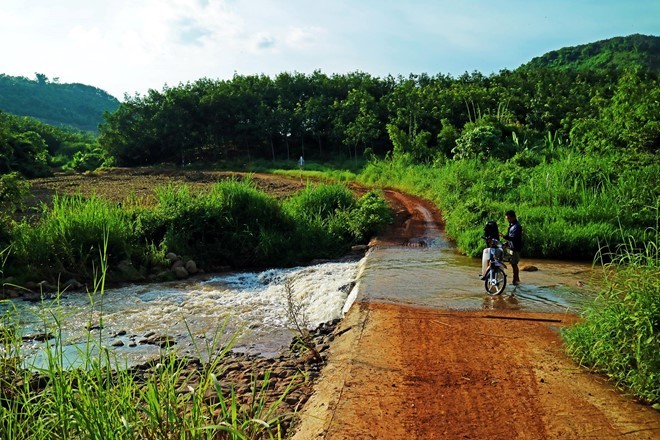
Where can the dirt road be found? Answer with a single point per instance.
(401, 372)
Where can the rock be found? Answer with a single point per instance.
(45, 286)
(360, 248)
(191, 267)
(161, 276)
(38, 337)
(162, 341)
(171, 256)
(12, 292)
(180, 272)
(72, 284)
(529, 268)
(177, 263)
(33, 297)
(128, 272)
(118, 343)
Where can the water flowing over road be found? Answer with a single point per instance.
(424, 353)
(415, 264)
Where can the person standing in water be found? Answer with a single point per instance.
(515, 238)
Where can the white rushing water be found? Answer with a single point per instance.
(250, 304)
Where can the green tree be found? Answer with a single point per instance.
(363, 125)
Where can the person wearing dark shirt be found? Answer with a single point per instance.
(515, 238)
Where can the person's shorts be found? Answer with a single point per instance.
(515, 257)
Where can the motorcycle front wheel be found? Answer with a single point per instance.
(496, 281)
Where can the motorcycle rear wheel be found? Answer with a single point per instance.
(496, 281)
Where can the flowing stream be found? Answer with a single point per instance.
(194, 315)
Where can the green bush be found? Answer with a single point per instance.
(329, 220)
(232, 224)
(619, 336)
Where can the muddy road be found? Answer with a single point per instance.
(399, 371)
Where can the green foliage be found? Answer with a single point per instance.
(13, 190)
(328, 216)
(370, 215)
(68, 238)
(31, 148)
(479, 142)
(72, 105)
(569, 207)
(619, 336)
(320, 201)
(641, 51)
(420, 118)
(232, 224)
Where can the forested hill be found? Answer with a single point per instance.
(74, 105)
(617, 53)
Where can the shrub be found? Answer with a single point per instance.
(233, 224)
(619, 336)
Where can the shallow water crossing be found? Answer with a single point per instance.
(437, 276)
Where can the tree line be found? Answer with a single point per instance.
(420, 117)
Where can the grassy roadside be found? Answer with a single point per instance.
(619, 336)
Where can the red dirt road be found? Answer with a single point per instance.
(401, 372)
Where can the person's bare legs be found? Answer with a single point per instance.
(516, 274)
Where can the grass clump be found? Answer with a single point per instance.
(328, 219)
(69, 236)
(619, 335)
(233, 223)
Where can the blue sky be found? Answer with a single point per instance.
(131, 46)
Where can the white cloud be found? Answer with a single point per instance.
(304, 37)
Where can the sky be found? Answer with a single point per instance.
(131, 46)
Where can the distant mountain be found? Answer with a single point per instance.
(73, 105)
(633, 51)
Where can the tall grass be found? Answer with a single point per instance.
(329, 217)
(619, 336)
(567, 207)
(68, 237)
(233, 223)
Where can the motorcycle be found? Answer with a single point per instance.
(492, 261)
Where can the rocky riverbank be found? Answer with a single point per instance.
(281, 384)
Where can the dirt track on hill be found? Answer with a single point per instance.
(401, 372)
